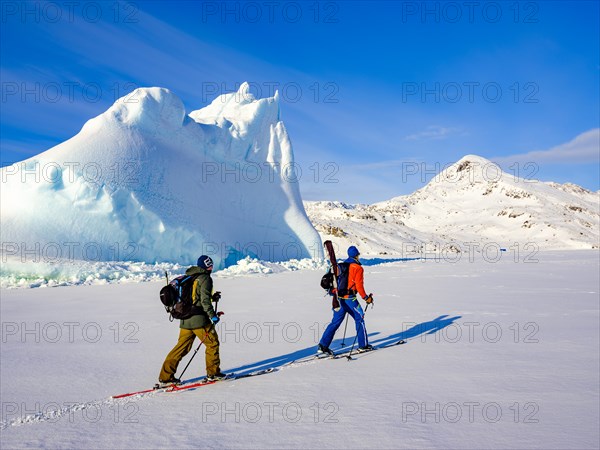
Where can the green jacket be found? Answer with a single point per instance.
(201, 296)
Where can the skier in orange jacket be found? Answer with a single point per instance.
(350, 283)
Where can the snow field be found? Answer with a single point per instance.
(500, 355)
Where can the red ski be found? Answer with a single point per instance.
(334, 265)
(191, 385)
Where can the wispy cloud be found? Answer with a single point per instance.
(435, 132)
(12, 150)
(584, 148)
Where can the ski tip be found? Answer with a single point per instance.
(131, 394)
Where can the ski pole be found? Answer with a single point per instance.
(216, 300)
(345, 328)
(349, 357)
(202, 341)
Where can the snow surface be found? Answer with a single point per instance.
(471, 201)
(499, 355)
(145, 182)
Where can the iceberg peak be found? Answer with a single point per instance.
(149, 107)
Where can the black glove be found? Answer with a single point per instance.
(216, 296)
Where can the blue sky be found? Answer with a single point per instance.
(370, 91)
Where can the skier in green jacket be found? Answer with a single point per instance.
(201, 324)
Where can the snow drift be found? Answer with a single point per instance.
(144, 181)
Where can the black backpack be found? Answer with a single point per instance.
(327, 281)
(176, 296)
(342, 280)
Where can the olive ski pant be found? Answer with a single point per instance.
(186, 339)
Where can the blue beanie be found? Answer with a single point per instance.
(353, 251)
(205, 262)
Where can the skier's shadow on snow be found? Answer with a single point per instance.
(425, 328)
(431, 327)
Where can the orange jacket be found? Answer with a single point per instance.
(356, 275)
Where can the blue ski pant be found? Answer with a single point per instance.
(352, 307)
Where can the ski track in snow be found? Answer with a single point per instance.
(56, 414)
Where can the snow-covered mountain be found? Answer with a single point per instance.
(144, 181)
(466, 206)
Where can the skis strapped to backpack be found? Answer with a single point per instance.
(334, 266)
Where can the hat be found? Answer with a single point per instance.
(353, 251)
(205, 262)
